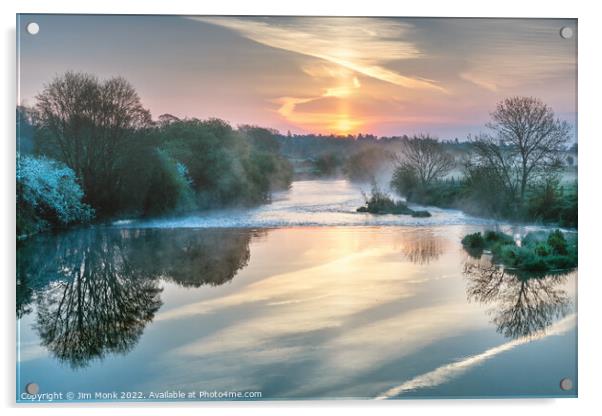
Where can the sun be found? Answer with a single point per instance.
(345, 124)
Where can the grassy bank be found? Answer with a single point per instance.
(551, 202)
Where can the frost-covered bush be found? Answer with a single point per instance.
(48, 195)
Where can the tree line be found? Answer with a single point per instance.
(89, 149)
(514, 170)
(96, 151)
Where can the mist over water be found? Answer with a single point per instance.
(309, 203)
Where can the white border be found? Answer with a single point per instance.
(590, 150)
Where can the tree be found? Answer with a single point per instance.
(424, 157)
(85, 123)
(525, 142)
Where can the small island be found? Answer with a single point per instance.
(536, 252)
(379, 202)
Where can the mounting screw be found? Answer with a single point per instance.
(32, 388)
(566, 384)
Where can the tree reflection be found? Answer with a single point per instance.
(192, 258)
(94, 291)
(521, 304)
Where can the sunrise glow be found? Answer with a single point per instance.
(383, 76)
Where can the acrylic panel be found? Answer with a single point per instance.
(295, 208)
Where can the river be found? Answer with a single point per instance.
(302, 298)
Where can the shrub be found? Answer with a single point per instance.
(48, 195)
(474, 241)
(379, 202)
(498, 237)
(539, 252)
(421, 214)
(327, 164)
(169, 187)
(542, 249)
(557, 241)
(531, 262)
(405, 182)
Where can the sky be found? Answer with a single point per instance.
(326, 75)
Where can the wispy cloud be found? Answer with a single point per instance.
(362, 45)
(341, 84)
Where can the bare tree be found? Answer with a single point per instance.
(525, 142)
(425, 157)
(85, 122)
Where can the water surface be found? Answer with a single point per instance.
(309, 203)
(395, 311)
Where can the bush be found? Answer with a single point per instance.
(493, 237)
(558, 243)
(380, 202)
(474, 241)
(545, 200)
(169, 188)
(48, 195)
(327, 164)
(549, 201)
(421, 214)
(539, 252)
(405, 182)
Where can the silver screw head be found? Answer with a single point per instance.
(566, 384)
(32, 388)
(566, 32)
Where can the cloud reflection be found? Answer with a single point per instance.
(447, 372)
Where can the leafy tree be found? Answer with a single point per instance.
(261, 138)
(171, 178)
(227, 166)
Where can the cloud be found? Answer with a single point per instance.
(483, 83)
(363, 45)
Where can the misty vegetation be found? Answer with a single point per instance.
(88, 150)
(380, 202)
(101, 154)
(514, 171)
(49, 196)
(538, 252)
